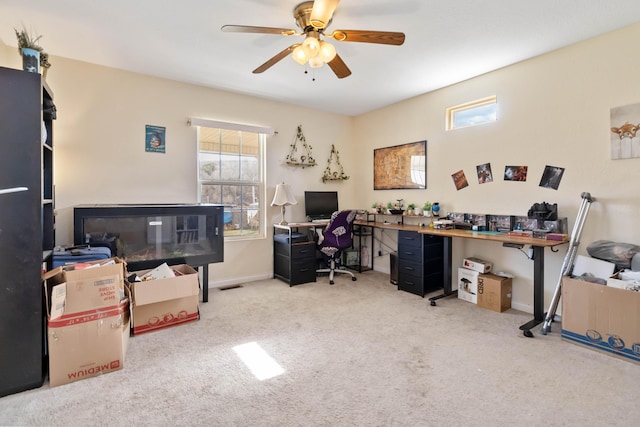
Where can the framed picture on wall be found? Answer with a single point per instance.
(400, 167)
(154, 141)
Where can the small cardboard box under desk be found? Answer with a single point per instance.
(165, 301)
(494, 292)
(88, 320)
(602, 318)
(477, 264)
(468, 285)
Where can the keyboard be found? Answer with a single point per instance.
(320, 221)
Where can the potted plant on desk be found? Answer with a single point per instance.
(411, 207)
(426, 208)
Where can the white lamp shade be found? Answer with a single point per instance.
(311, 46)
(327, 51)
(283, 196)
(299, 55)
(316, 62)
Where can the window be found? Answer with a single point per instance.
(231, 173)
(472, 113)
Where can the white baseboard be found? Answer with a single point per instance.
(522, 307)
(237, 281)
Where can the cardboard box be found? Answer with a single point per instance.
(161, 303)
(494, 292)
(477, 264)
(100, 286)
(83, 345)
(88, 321)
(468, 285)
(601, 318)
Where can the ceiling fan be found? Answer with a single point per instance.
(313, 17)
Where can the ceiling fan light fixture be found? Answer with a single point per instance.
(316, 62)
(327, 51)
(299, 55)
(322, 12)
(311, 45)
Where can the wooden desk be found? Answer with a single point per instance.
(538, 246)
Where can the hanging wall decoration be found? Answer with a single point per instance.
(155, 139)
(338, 171)
(625, 138)
(305, 159)
(400, 166)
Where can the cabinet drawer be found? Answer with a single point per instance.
(410, 254)
(409, 267)
(303, 251)
(409, 239)
(411, 283)
(303, 272)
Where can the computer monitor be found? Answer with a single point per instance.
(320, 204)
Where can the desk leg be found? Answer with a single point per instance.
(205, 283)
(538, 289)
(446, 272)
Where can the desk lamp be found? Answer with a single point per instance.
(283, 198)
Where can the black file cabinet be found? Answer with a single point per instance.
(420, 262)
(294, 256)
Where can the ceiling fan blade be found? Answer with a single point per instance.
(364, 36)
(322, 12)
(339, 67)
(275, 59)
(258, 30)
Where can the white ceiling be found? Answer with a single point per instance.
(447, 41)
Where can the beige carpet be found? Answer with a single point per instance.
(354, 354)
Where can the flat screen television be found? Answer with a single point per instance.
(320, 204)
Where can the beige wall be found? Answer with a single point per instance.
(100, 156)
(553, 110)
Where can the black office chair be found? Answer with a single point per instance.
(336, 237)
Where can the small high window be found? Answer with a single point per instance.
(472, 113)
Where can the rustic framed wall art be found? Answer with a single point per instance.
(400, 167)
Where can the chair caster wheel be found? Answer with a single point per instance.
(353, 279)
(433, 303)
(331, 282)
(527, 333)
